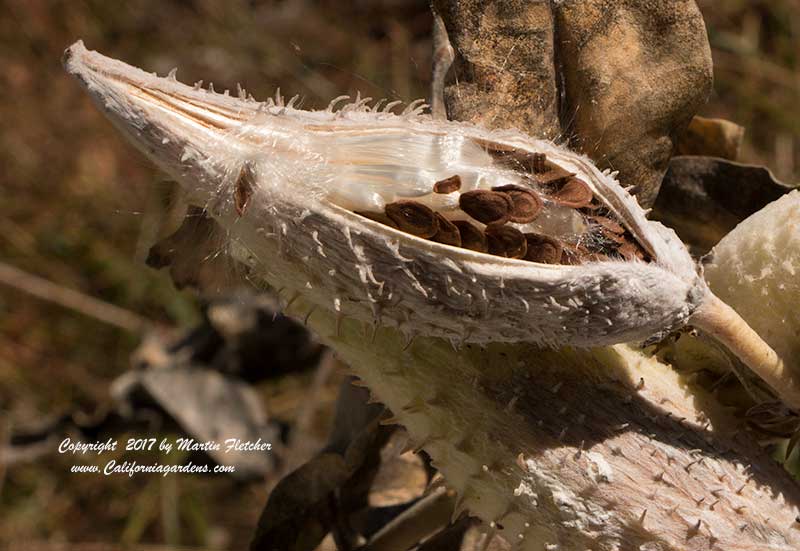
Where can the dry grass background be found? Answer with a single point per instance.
(75, 200)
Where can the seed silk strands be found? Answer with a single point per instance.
(438, 228)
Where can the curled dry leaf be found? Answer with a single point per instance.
(704, 198)
(195, 254)
(711, 138)
(505, 47)
(632, 75)
(309, 502)
(206, 403)
(298, 514)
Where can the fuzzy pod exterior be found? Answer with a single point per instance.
(587, 476)
(301, 170)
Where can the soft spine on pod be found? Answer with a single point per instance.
(296, 238)
(260, 171)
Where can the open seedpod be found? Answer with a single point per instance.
(390, 227)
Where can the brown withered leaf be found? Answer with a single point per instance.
(401, 477)
(703, 198)
(195, 254)
(711, 138)
(635, 72)
(631, 74)
(314, 499)
(205, 404)
(504, 64)
(298, 513)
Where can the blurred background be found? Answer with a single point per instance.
(80, 209)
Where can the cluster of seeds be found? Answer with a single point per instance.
(494, 220)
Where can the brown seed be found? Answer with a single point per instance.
(574, 255)
(611, 236)
(244, 189)
(486, 206)
(608, 224)
(514, 158)
(631, 251)
(506, 241)
(575, 193)
(571, 256)
(539, 163)
(448, 232)
(471, 237)
(448, 185)
(553, 177)
(543, 249)
(527, 205)
(414, 218)
(378, 217)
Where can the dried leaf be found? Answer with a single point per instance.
(703, 198)
(506, 48)
(632, 75)
(634, 72)
(711, 138)
(195, 254)
(298, 515)
(208, 406)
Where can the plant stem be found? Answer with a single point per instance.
(724, 324)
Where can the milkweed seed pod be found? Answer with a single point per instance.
(437, 228)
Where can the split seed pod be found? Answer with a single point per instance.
(310, 173)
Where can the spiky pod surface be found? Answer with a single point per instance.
(757, 268)
(573, 449)
(296, 237)
(555, 450)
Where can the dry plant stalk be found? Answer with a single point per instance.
(404, 226)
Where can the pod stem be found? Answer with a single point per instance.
(723, 323)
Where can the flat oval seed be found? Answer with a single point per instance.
(486, 206)
(611, 236)
(506, 241)
(608, 224)
(414, 218)
(575, 193)
(543, 249)
(539, 163)
(448, 185)
(516, 158)
(527, 205)
(471, 237)
(571, 256)
(631, 251)
(244, 189)
(448, 232)
(554, 176)
(377, 217)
